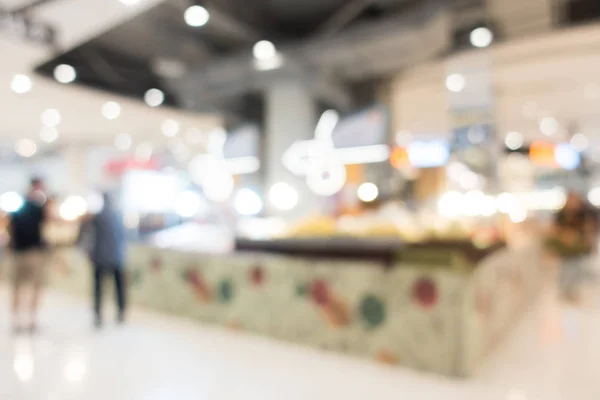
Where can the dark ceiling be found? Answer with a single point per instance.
(157, 45)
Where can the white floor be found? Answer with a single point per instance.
(553, 354)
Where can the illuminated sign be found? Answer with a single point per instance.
(119, 167)
(429, 153)
(561, 155)
(542, 153)
(363, 129)
(566, 156)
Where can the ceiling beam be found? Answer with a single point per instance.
(343, 17)
(32, 5)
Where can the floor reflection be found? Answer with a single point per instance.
(553, 354)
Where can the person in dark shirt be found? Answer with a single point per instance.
(27, 245)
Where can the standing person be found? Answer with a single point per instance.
(574, 235)
(28, 247)
(108, 256)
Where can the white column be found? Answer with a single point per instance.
(290, 117)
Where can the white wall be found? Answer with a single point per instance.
(58, 171)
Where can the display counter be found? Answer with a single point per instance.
(434, 308)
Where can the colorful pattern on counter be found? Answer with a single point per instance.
(433, 319)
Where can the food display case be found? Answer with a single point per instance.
(437, 306)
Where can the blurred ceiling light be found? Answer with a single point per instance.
(593, 197)
(264, 50)
(196, 16)
(48, 134)
(579, 142)
(513, 140)
(592, 91)
(64, 73)
(51, 117)
(549, 126)
(283, 196)
(170, 128)
(456, 83)
(367, 192)
(21, 84)
(111, 110)
(130, 2)
(154, 97)
(25, 148)
(266, 57)
(123, 141)
(11, 202)
(481, 37)
(269, 64)
(247, 202)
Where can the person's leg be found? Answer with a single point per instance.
(17, 284)
(16, 306)
(120, 292)
(37, 265)
(98, 276)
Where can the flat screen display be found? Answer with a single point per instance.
(428, 153)
(242, 142)
(365, 128)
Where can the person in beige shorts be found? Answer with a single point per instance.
(28, 250)
(29, 268)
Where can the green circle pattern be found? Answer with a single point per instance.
(301, 290)
(372, 311)
(226, 291)
(136, 277)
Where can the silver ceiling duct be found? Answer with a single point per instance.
(366, 51)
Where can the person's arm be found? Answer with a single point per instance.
(10, 230)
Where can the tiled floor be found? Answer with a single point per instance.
(553, 354)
